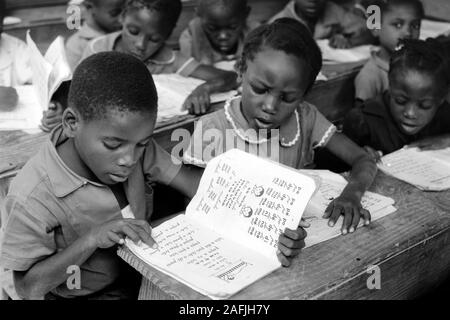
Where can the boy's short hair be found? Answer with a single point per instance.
(429, 56)
(237, 5)
(387, 5)
(287, 35)
(109, 81)
(170, 9)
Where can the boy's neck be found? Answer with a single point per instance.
(92, 24)
(384, 54)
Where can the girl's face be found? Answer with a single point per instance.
(310, 8)
(400, 22)
(143, 32)
(414, 99)
(272, 87)
(107, 14)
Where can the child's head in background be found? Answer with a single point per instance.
(2, 14)
(111, 114)
(147, 24)
(400, 19)
(223, 22)
(419, 80)
(104, 14)
(279, 64)
(310, 9)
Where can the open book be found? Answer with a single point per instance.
(48, 72)
(228, 237)
(173, 90)
(330, 186)
(427, 170)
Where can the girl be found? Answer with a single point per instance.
(413, 109)
(280, 62)
(146, 25)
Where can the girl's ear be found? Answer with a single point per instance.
(70, 122)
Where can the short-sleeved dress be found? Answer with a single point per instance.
(292, 145)
(372, 80)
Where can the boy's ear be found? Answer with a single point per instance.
(70, 122)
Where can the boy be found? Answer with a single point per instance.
(400, 19)
(216, 35)
(102, 16)
(326, 20)
(64, 207)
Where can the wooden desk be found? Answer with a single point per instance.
(410, 246)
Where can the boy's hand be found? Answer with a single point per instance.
(350, 206)
(339, 41)
(376, 155)
(52, 117)
(432, 143)
(8, 98)
(114, 232)
(198, 101)
(290, 243)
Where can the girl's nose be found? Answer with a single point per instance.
(410, 111)
(270, 103)
(223, 35)
(140, 43)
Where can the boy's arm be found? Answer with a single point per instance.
(361, 177)
(50, 272)
(216, 81)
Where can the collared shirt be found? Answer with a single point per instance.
(373, 125)
(195, 43)
(49, 207)
(333, 16)
(15, 67)
(165, 60)
(77, 43)
(225, 129)
(372, 80)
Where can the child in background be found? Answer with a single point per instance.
(146, 25)
(279, 64)
(414, 106)
(101, 17)
(328, 20)
(400, 19)
(216, 35)
(64, 207)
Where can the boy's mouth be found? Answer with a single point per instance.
(117, 178)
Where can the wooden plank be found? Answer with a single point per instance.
(410, 246)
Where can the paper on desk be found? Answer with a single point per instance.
(330, 187)
(173, 90)
(433, 29)
(27, 114)
(427, 170)
(332, 55)
(11, 20)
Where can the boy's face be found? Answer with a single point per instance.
(111, 147)
(273, 86)
(143, 32)
(106, 14)
(223, 27)
(310, 8)
(414, 100)
(400, 22)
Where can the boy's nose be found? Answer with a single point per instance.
(223, 35)
(140, 43)
(129, 158)
(410, 111)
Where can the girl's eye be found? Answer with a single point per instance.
(287, 99)
(259, 90)
(133, 31)
(115, 13)
(398, 25)
(111, 145)
(400, 101)
(416, 26)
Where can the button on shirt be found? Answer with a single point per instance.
(49, 207)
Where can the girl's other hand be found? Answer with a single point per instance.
(376, 155)
(198, 101)
(348, 205)
(339, 41)
(290, 243)
(8, 98)
(52, 117)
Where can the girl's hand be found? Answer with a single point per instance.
(432, 143)
(290, 243)
(339, 41)
(375, 155)
(198, 101)
(350, 206)
(52, 117)
(8, 98)
(114, 232)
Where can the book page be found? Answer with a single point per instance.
(26, 115)
(433, 29)
(418, 168)
(173, 90)
(330, 187)
(207, 262)
(252, 204)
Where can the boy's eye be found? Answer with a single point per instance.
(398, 25)
(258, 90)
(143, 144)
(400, 101)
(114, 13)
(133, 31)
(288, 99)
(111, 145)
(416, 26)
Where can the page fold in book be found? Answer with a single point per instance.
(228, 237)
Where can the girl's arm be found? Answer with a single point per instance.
(217, 80)
(361, 177)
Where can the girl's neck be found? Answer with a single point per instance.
(384, 54)
(93, 24)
